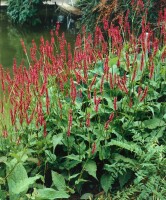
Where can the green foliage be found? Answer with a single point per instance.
(24, 11)
(88, 18)
(94, 11)
(118, 147)
(50, 194)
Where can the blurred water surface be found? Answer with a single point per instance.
(10, 35)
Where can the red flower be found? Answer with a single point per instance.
(88, 120)
(109, 120)
(115, 103)
(93, 148)
(70, 119)
(5, 133)
(144, 94)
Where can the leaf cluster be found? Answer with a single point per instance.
(24, 12)
(125, 159)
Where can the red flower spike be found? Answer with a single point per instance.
(44, 130)
(142, 62)
(111, 117)
(106, 125)
(108, 121)
(70, 120)
(73, 91)
(106, 68)
(139, 91)
(89, 94)
(144, 94)
(88, 120)
(93, 81)
(151, 70)
(93, 148)
(115, 103)
(12, 116)
(134, 74)
(47, 101)
(98, 100)
(111, 81)
(5, 133)
(130, 102)
(68, 132)
(23, 46)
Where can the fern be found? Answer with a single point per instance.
(125, 145)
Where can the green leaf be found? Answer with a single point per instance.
(113, 61)
(98, 68)
(80, 181)
(20, 156)
(2, 195)
(58, 180)
(57, 140)
(91, 168)
(27, 182)
(51, 194)
(73, 176)
(73, 157)
(87, 196)
(50, 157)
(69, 164)
(164, 117)
(106, 182)
(18, 181)
(153, 123)
(123, 178)
(3, 159)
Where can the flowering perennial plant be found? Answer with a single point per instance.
(94, 114)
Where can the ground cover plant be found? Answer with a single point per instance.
(87, 121)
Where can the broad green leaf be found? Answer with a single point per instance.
(87, 196)
(151, 109)
(58, 180)
(113, 61)
(50, 157)
(164, 117)
(3, 159)
(51, 194)
(91, 168)
(98, 68)
(80, 181)
(69, 164)
(20, 156)
(73, 157)
(57, 140)
(34, 160)
(26, 183)
(154, 123)
(18, 181)
(109, 101)
(73, 176)
(106, 182)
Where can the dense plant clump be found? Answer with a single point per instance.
(94, 11)
(24, 11)
(86, 121)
